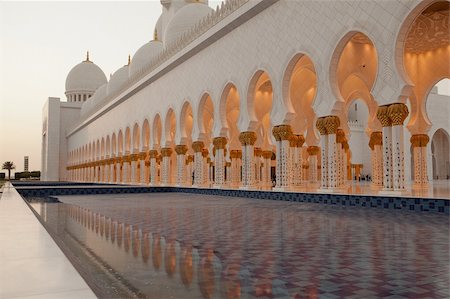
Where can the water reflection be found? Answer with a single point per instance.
(205, 248)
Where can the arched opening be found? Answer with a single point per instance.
(206, 119)
(440, 155)
(186, 124)
(426, 56)
(102, 148)
(302, 91)
(359, 156)
(170, 128)
(145, 135)
(157, 131)
(136, 138)
(108, 146)
(260, 107)
(127, 141)
(229, 112)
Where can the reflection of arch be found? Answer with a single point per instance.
(440, 149)
(229, 110)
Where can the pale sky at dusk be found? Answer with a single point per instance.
(39, 44)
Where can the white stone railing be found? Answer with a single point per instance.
(215, 16)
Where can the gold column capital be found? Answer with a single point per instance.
(257, 151)
(275, 133)
(340, 136)
(419, 140)
(247, 138)
(228, 164)
(142, 155)
(397, 113)
(153, 154)
(293, 140)
(267, 154)
(320, 125)
(300, 140)
(166, 152)
(197, 146)
(205, 152)
(285, 132)
(313, 150)
(181, 149)
(332, 123)
(235, 154)
(383, 116)
(220, 142)
(376, 138)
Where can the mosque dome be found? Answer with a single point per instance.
(185, 18)
(144, 55)
(85, 77)
(118, 79)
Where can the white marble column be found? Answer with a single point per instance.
(383, 117)
(282, 134)
(332, 123)
(257, 165)
(321, 126)
(376, 143)
(133, 168)
(419, 143)
(219, 161)
(266, 180)
(166, 168)
(198, 146)
(398, 113)
(313, 152)
(189, 170)
(181, 150)
(154, 177)
(248, 140)
(235, 156)
(142, 169)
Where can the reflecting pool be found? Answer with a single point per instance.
(173, 245)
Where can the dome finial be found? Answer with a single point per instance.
(129, 59)
(87, 56)
(155, 34)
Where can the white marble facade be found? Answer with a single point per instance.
(250, 71)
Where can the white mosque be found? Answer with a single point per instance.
(264, 94)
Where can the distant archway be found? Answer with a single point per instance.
(441, 155)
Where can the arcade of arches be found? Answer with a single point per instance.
(205, 146)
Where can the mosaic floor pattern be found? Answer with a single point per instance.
(198, 246)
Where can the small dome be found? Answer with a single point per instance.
(118, 79)
(184, 19)
(85, 76)
(144, 55)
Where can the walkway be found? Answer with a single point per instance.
(32, 265)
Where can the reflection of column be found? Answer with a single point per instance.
(181, 151)
(383, 117)
(198, 146)
(235, 156)
(419, 143)
(154, 179)
(332, 123)
(282, 134)
(398, 113)
(313, 152)
(219, 160)
(166, 169)
(321, 126)
(266, 169)
(375, 144)
(248, 140)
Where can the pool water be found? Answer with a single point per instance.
(174, 245)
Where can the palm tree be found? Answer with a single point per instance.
(8, 165)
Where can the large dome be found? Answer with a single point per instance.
(86, 77)
(144, 55)
(183, 20)
(118, 79)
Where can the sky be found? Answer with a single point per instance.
(39, 44)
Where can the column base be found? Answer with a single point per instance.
(326, 190)
(215, 186)
(285, 189)
(419, 186)
(247, 188)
